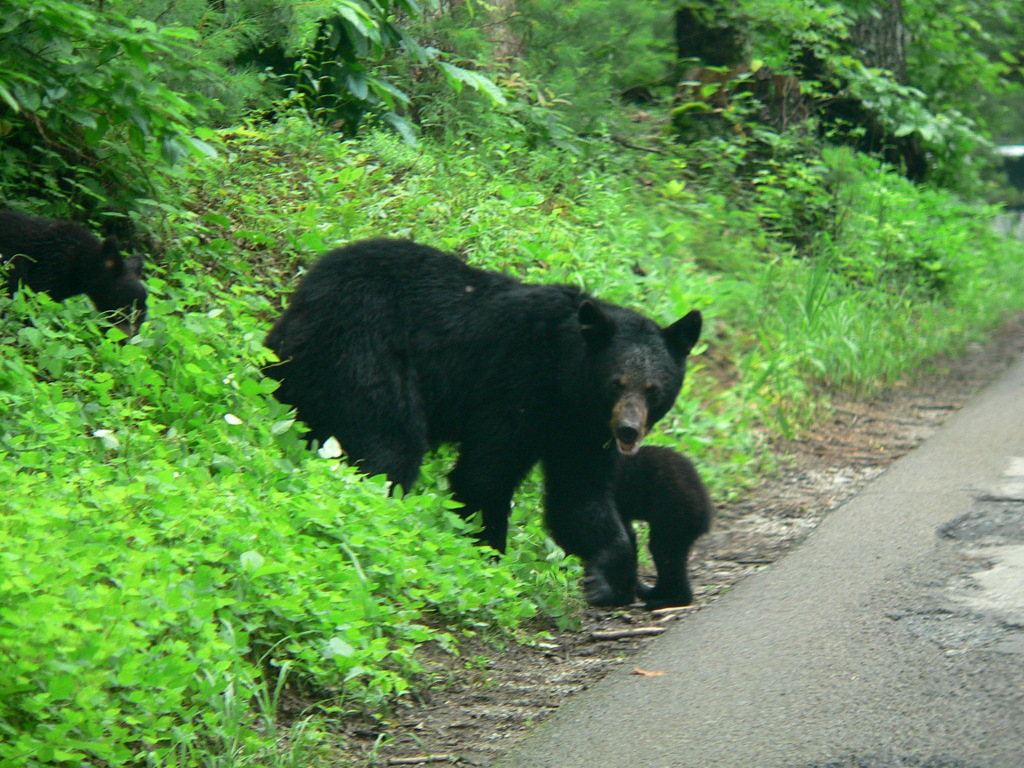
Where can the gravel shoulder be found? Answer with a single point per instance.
(500, 693)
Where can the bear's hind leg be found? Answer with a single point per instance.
(395, 453)
(484, 480)
(382, 430)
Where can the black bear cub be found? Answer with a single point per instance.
(662, 487)
(63, 259)
(392, 347)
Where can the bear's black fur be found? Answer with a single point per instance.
(662, 487)
(392, 347)
(63, 259)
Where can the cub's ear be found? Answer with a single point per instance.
(595, 325)
(682, 335)
(135, 265)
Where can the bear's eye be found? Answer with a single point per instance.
(653, 391)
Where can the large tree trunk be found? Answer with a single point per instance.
(879, 38)
(508, 46)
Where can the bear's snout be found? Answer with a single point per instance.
(629, 422)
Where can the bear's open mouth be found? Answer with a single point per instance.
(627, 449)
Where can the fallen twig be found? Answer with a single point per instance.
(852, 412)
(619, 634)
(419, 759)
(631, 145)
(674, 610)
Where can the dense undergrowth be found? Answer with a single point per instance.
(173, 558)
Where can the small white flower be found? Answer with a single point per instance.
(107, 437)
(331, 449)
(252, 560)
(230, 418)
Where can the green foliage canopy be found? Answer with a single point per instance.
(93, 95)
(85, 102)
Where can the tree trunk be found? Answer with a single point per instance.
(879, 37)
(508, 46)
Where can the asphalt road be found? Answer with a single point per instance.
(893, 637)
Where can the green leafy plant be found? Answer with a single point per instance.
(185, 550)
(349, 63)
(84, 102)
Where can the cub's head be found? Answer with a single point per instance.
(116, 287)
(637, 367)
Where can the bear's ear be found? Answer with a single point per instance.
(134, 266)
(596, 326)
(682, 335)
(110, 252)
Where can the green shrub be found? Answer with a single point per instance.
(86, 101)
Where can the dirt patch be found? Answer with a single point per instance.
(499, 694)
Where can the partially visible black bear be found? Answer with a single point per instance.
(662, 487)
(391, 347)
(64, 259)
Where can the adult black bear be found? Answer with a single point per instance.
(391, 347)
(63, 259)
(662, 487)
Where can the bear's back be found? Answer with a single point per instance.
(465, 340)
(416, 295)
(49, 254)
